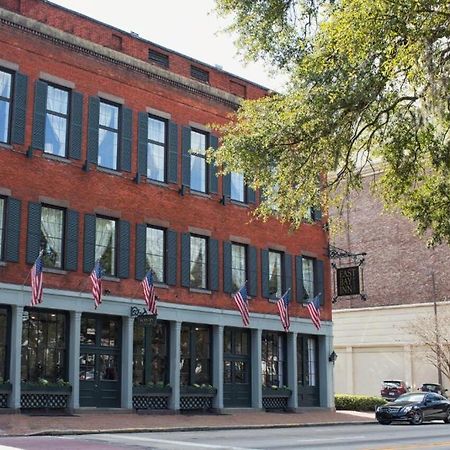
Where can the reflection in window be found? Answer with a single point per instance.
(155, 253)
(237, 187)
(198, 161)
(105, 244)
(198, 278)
(3, 343)
(5, 105)
(88, 331)
(108, 135)
(238, 266)
(52, 235)
(56, 121)
(156, 155)
(43, 346)
(110, 333)
(272, 359)
(87, 367)
(2, 226)
(312, 363)
(308, 278)
(275, 285)
(108, 368)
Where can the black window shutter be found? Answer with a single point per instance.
(300, 291)
(93, 122)
(89, 243)
(287, 267)
(318, 280)
(251, 196)
(12, 232)
(142, 143)
(213, 263)
(19, 109)
(123, 266)
(213, 180)
(141, 243)
(71, 240)
(126, 138)
(185, 259)
(227, 185)
(172, 164)
(252, 272)
(265, 273)
(171, 258)
(40, 104)
(34, 232)
(76, 125)
(186, 156)
(227, 280)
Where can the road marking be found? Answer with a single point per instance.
(5, 447)
(412, 446)
(332, 439)
(183, 443)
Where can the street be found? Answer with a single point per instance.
(349, 437)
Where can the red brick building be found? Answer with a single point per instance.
(102, 159)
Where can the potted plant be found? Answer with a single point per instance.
(152, 388)
(198, 389)
(276, 391)
(45, 394)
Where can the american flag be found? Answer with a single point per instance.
(240, 297)
(96, 278)
(314, 310)
(283, 305)
(36, 281)
(149, 292)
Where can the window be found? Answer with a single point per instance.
(307, 363)
(156, 155)
(198, 263)
(5, 105)
(108, 135)
(105, 244)
(52, 236)
(237, 187)
(198, 161)
(56, 120)
(3, 343)
(195, 355)
(158, 58)
(272, 359)
(312, 362)
(200, 74)
(308, 278)
(238, 265)
(44, 346)
(155, 252)
(150, 354)
(2, 226)
(275, 274)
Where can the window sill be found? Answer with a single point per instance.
(2, 263)
(56, 158)
(6, 146)
(109, 171)
(200, 194)
(109, 278)
(162, 184)
(238, 203)
(200, 291)
(161, 285)
(55, 271)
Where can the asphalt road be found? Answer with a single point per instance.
(348, 437)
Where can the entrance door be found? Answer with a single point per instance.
(237, 370)
(307, 371)
(100, 361)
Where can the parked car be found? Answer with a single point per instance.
(434, 387)
(415, 408)
(391, 389)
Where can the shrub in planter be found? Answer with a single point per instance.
(357, 402)
(198, 389)
(276, 391)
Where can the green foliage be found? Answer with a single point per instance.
(369, 83)
(348, 402)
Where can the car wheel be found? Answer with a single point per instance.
(385, 422)
(447, 417)
(417, 418)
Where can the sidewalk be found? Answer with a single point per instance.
(116, 422)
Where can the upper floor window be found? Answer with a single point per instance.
(238, 265)
(5, 105)
(108, 135)
(105, 244)
(158, 58)
(56, 121)
(275, 274)
(155, 254)
(156, 156)
(308, 278)
(2, 226)
(198, 263)
(237, 187)
(198, 161)
(200, 74)
(52, 236)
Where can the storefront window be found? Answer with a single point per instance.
(272, 359)
(150, 354)
(44, 341)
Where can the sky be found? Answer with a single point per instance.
(190, 27)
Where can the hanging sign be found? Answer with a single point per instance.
(348, 281)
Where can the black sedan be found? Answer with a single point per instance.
(415, 408)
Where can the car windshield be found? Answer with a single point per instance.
(410, 398)
(392, 383)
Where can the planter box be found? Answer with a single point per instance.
(45, 389)
(151, 397)
(195, 398)
(5, 387)
(5, 390)
(198, 391)
(34, 396)
(276, 392)
(151, 390)
(275, 398)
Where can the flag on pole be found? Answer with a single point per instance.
(36, 281)
(149, 292)
(282, 305)
(314, 310)
(240, 297)
(96, 278)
